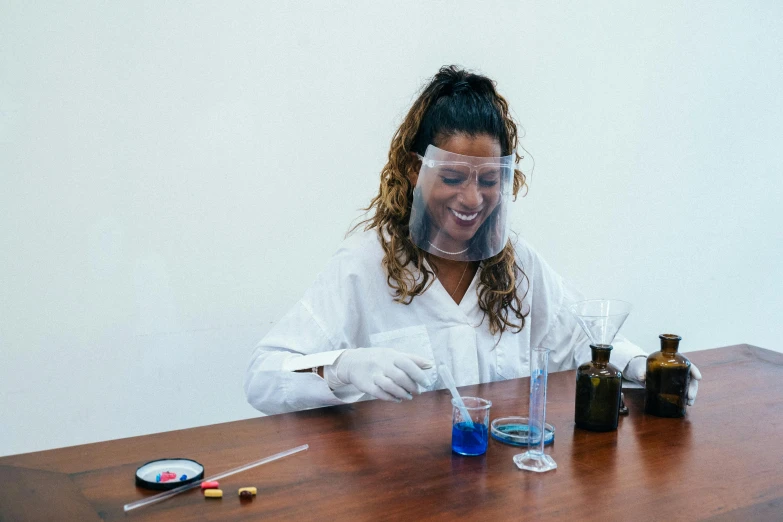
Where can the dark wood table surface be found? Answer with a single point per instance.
(386, 461)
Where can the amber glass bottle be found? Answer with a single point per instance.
(668, 377)
(598, 385)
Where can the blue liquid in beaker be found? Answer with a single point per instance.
(469, 440)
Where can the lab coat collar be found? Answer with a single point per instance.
(469, 301)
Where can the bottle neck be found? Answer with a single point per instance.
(669, 343)
(601, 354)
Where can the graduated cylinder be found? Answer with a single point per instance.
(534, 459)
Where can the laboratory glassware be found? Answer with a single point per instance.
(515, 431)
(448, 380)
(667, 379)
(598, 382)
(470, 434)
(534, 459)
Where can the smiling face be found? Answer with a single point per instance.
(458, 207)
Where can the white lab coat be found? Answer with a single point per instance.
(350, 306)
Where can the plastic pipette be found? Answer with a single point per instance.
(448, 380)
(176, 491)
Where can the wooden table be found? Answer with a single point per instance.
(385, 461)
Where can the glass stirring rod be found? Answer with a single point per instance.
(448, 380)
(176, 491)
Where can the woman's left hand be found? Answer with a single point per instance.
(637, 371)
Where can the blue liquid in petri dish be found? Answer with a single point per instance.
(520, 434)
(469, 440)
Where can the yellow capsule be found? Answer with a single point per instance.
(252, 491)
(213, 493)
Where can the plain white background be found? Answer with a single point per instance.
(175, 174)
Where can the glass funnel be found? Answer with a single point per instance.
(601, 319)
(534, 459)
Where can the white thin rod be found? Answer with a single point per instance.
(448, 380)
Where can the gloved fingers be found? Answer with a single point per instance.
(407, 364)
(402, 380)
(421, 362)
(637, 369)
(693, 389)
(373, 389)
(391, 388)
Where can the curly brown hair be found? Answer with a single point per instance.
(455, 101)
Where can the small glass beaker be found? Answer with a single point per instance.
(470, 436)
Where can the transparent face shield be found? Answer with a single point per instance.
(461, 205)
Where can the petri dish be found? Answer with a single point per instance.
(516, 432)
(170, 473)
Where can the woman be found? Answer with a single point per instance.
(433, 278)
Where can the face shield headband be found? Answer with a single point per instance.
(461, 205)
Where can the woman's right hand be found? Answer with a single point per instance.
(384, 373)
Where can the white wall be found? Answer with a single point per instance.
(175, 174)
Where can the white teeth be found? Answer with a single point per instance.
(465, 217)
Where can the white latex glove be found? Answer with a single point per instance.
(383, 373)
(637, 371)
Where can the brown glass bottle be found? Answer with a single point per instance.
(598, 385)
(667, 380)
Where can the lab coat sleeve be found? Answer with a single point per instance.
(327, 320)
(297, 340)
(556, 328)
